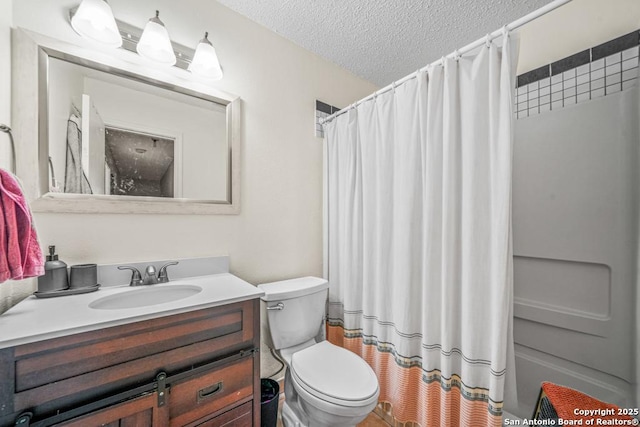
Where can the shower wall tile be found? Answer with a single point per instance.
(597, 93)
(613, 79)
(583, 70)
(597, 83)
(630, 63)
(613, 89)
(583, 88)
(534, 75)
(597, 73)
(571, 62)
(630, 74)
(583, 78)
(630, 53)
(602, 70)
(323, 110)
(613, 59)
(616, 45)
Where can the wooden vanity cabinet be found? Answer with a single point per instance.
(141, 411)
(189, 369)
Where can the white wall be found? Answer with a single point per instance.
(10, 292)
(278, 233)
(574, 27)
(281, 177)
(5, 80)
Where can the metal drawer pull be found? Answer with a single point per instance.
(278, 306)
(207, 392)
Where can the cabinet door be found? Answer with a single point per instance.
(242, 416)
(141, 411)
(210, 393)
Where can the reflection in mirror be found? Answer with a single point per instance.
(138, 164)
(118, 136)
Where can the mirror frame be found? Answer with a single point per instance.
(29, 102)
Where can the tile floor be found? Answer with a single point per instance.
(373, 420)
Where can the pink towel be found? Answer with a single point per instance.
(20, 253)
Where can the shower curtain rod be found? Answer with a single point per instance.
(457, 53)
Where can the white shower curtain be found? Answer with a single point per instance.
(420, 258)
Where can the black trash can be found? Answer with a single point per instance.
(269, 402)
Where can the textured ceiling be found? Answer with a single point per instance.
(383, 40)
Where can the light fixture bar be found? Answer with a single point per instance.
(131, 35)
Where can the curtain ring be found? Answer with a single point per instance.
(487, 42)
(456, 55)
(505, 31)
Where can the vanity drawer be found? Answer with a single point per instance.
(241, 416)
(193, 399)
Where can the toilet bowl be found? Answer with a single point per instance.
(325, 385)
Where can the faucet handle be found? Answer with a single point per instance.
(163, 277)
(136, 277)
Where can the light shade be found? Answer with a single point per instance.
(155, 43)
(94, 20)
(205, 61)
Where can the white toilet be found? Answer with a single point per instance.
(324, 385)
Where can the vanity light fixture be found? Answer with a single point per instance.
(94, 20)
(205, 61)
(155, 43)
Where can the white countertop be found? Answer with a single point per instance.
(36, 319)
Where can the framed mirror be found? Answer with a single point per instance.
(114, 139)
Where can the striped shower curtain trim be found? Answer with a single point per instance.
(373, 339)
(336, 329)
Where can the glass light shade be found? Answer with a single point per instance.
(155, 44)
(94, 20)
(205, 61)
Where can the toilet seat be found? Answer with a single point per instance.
(334, 376)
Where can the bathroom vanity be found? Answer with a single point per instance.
(189, 362)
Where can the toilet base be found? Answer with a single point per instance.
(289, 418)
(296, 412)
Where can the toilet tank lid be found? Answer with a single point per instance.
(292, 288)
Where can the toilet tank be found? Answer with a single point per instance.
(303, 308)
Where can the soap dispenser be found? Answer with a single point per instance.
(55, 274)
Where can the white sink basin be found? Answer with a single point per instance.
(150, 295)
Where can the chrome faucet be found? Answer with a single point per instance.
(163, 277)
(150, 277)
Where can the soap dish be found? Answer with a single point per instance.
(74, 291)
